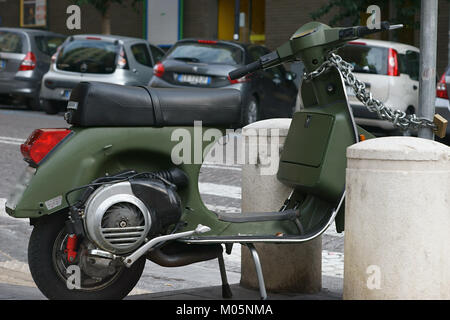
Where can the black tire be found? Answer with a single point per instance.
(44, 270)
(250, 112)
(34, 103)
(51, 106)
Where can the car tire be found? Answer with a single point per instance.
(51, 106)
(250, 112)
(34, 103)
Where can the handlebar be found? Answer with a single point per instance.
(242, 71)
(330, 37)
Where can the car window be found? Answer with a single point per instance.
(256, 52)
(206, 52)
(88, 56)
(409, 63)
(157, 54)
(141, 54)
(48, 44)
(10, 42)
(365, 59)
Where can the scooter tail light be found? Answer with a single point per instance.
(28, 63)
(392, 63)
(158, 70)
(40, 143)
(441, 88)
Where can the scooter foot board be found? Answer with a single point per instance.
(257, 216)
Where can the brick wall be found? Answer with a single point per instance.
(284, 17)
(200, 19)
(124, 20)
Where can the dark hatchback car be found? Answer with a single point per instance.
(266, 94)
(25, 56)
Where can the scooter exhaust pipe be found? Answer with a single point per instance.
(179, 254)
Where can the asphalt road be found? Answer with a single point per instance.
(219, 185)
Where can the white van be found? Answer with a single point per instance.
(390, 71)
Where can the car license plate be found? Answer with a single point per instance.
(350, 91)
(193, 79)
(2, 64)
(67, 93)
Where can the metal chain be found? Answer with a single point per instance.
(399, 118)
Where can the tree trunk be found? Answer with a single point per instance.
(106, 22)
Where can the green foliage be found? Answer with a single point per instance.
(351, 10)
(103, 5)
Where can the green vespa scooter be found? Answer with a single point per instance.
(106, 194)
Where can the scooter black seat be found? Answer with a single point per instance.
(97, 104)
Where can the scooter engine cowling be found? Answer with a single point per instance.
(119, 217)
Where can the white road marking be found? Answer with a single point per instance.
(220, 190)
(222, 167)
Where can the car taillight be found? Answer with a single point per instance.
(441, 88)
(392, 63)
(240, 80)
(158, 70)
(122, 62)
(40, 143)
(28, 63)
(207, 41)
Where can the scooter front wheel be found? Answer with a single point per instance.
(84, 278)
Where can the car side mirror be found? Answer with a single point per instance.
(290, 76)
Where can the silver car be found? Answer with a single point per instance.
(112, 59)
(24, 59)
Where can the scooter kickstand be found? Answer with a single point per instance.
(226, 290)
(255, 256)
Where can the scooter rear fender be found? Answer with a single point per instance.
(90, 153)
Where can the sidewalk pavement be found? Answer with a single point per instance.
(331, 290)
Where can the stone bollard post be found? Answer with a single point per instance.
(397, 223)
(286, 267)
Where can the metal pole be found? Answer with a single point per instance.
(427, 79)
(237, 10)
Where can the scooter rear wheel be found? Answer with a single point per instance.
(55, 279)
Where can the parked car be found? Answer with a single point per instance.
(442, 100)
(390, 71)
(112, 59)
(206, 64)
(24, 58)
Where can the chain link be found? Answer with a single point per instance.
(398, 118)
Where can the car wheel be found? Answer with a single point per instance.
(250, 113)
(51, 106)
(34, 103)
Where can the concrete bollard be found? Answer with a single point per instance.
(397, 223)
(286, 267)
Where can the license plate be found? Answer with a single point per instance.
(2, 64)
(66, 94)
(193, 79)
(350, 91)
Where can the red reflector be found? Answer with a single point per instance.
(441, 88)
(28, 63)
(158, 70)
(93, 38)
(207, 41)
(40, 143)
